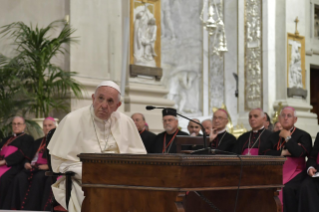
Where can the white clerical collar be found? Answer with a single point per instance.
(220, 132)
(256, 131)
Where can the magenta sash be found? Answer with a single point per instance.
(41, 160)
(5, 152)
(292, 167)
(253, 151)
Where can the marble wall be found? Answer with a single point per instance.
(182, 54)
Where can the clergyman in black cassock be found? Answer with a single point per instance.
(14, 151)
(159, 146)
(309, 189)
(295, 144)
(252, 140)
(31, 189)
(147, 138)
(27, 191)
(165, 141)
(219, 138)
(223, 141)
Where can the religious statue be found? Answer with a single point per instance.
(295, 71)
(144, 36)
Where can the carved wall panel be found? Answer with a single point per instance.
(182, 54)
(253, 54)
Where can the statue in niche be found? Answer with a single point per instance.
(144, 36)
(295, 71)
(184, 91)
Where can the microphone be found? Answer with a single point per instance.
(150, 107)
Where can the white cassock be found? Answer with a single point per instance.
(82, 132)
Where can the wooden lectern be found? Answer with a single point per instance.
(164, 182)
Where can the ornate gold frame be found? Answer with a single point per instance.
(300, 39)
(155, 8)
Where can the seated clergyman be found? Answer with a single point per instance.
(219, 138)
(295, 145)
(193, 128)
(309, 189)
(98, 128)
(207, 124)
(165, 141)
(31, 189)
(147, 136)
(249, 143)
(14, 151)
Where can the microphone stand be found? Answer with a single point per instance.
(206, 150)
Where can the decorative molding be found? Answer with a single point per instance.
(88, 185)
(180, 160)
(253, 54)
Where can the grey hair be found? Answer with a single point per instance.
(295, 113)
(143, 117)
(262, 113)
(20, 118)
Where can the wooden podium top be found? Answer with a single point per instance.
(180, 172)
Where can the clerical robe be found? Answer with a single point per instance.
(82, 132)
(294, 169)
(165, 143)
(250, 142)
(14, 150)
(31, 189)
(147, 138)
(223, 141)
(309, 189)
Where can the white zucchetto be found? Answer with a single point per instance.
(109, 84)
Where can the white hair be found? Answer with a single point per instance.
(295, 114)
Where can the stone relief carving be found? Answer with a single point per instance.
(295, 71)
(216, 66)
(182, 54)
(253, 54)
(144, 36)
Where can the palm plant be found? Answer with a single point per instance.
(40, 85)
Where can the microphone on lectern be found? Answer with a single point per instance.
(206, 149)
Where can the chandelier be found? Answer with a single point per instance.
(214, 24)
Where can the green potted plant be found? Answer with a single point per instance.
(46, 84)
(35, 80)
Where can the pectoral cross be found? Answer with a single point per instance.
(296, 32)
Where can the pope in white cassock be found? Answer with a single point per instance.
(92, 129)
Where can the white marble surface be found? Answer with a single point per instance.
(230, 57)
(269, 55)
(182, 54)
(99, 28)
